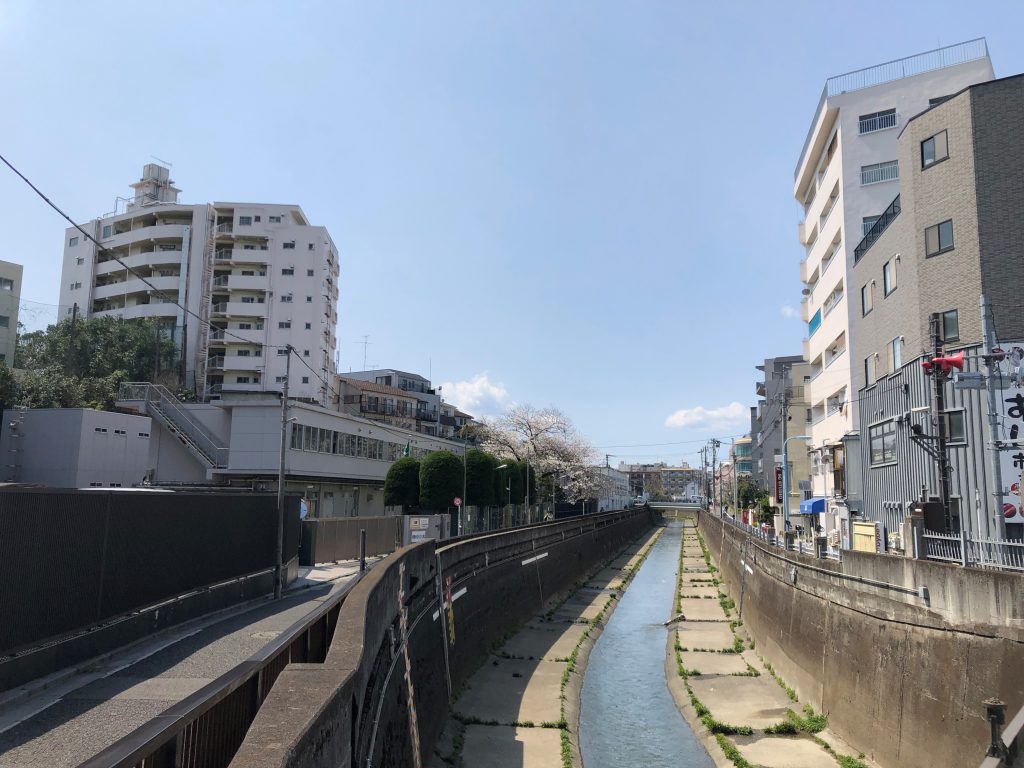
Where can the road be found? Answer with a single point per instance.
(81, 714)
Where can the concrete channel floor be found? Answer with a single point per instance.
(731, 696)
(95, 704)
(528, 686)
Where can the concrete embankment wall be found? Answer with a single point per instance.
(458, 601)
(901, 677)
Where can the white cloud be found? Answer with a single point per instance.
(728, 417)
(470, 395)
(788, 311)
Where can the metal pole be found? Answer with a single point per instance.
(527, 487)
(993, 424)
(785, 464)
(362, 550)
(465, 471)
(735, 480)
(279, 566)
(940, 422)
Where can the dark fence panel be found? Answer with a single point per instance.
(70, 559)
(328, 539)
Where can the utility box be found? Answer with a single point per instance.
(416, 528)
(931, 513)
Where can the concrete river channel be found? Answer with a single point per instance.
(627, 715)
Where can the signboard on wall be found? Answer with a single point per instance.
(778, 484)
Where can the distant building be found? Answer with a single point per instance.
(743, 454)
(428, 401)
(232, 283)
(10, 296)
(616, 494)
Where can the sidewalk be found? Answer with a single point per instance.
(725, 690)
(76, 713)
(520, 710)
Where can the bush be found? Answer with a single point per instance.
(440, 480)
(480, 466)
(402, 484)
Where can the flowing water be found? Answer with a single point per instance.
(627, 715)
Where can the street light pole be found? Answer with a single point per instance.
(785, 480)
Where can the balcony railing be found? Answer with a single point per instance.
(225, 229)
(814, 324)
(877, 229)
(215, 362)
(426, 415)
(220, 308)
(878, 122)
(875, 174)
(950, 56)
(221, 281)
(222, 254)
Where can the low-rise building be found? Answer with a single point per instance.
(428, 405)
(10, 296)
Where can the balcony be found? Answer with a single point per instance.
(887, 218)
(814, 324)
(165, 285)
(239, 335)
(879, 172)
(134, 311)
(878, 122)
(145, 234)
(425, 415)
(225, 229)
(242, 255)
(243, 363)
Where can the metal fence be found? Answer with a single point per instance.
(975, 551)
(88, 556)
(329, 539)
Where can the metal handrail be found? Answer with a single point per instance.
(877, 229)
(164, 399)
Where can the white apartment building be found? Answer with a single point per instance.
(234, 283)
(10, 296)
(846, 180)
(428, 405)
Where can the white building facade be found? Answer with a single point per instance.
(233, 283)
(846, 177)
(10, 296)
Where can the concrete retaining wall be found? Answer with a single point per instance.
(353, 710)
(900, 676)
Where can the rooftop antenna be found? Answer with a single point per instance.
(162, 162)
(365, 342)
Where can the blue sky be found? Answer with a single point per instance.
(584, 205)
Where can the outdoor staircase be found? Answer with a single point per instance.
(159, 403)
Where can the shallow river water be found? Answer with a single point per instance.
(627, 716)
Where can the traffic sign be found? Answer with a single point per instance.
(458, 502)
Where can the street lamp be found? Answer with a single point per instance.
(509, 483)
(785, 480)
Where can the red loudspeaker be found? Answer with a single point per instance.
(950, 362)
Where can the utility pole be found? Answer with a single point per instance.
(714, 461)
(279, 566)
(939, 383)
(999, 519)
(785, 469)
(735, 479)
(72, 365)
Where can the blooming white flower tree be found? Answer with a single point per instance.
(548, 438)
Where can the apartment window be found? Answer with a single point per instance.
(956, 426)
(882, 439)
(877, 121)
(256, 219)
(286, 298)
(95, 485)
(310, 273)
(259, 326)
(809, 417)
(120, 432)
(289, 246)
(242, 380)
(305, 353)
(288, 271)
(245, 326)
(879, 172)
(279, 379)
(144, 435)
(896, 354)
(5, 321)
(80, 261)
(275, 219)
(281, 352)
(889, 277)
(248, 247)
(865, 300)
(6, 284)
(868, 222)
(938, 238)
(950, 326)
(73, 241)
(305, 379)
(258, 352)
(309, 299)
(244, 221)
(108, 230)
(869, 370)
(243, 353)
(934, 149)
(311, 246)
(248, 299)
(284, 324)
(102, 430)
(309, 326)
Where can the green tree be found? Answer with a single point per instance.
(440, 479)
(402, 484)
(480, 478)
(747, 490)
(82, 363)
